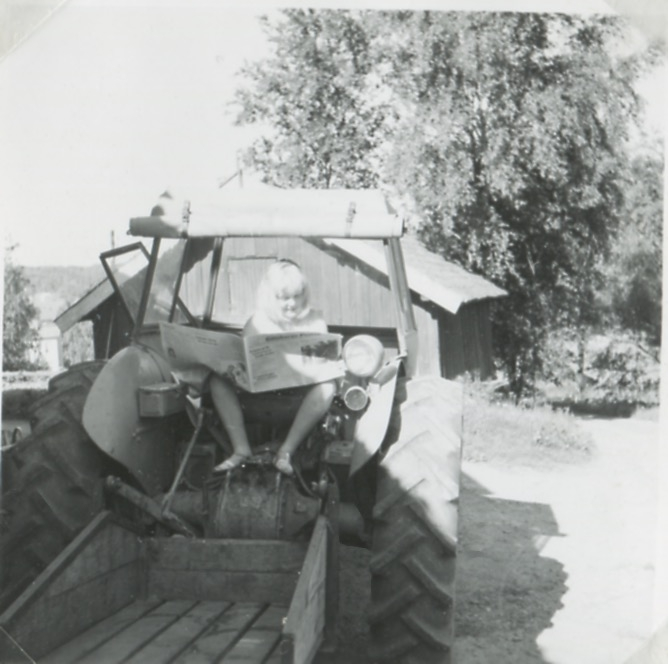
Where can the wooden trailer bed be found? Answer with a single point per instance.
(179, 631)
(112, 596)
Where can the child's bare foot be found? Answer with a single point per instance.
(283, 463)
(231, 463)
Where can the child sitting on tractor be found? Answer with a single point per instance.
(283, 306)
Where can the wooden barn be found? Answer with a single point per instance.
(349, 284)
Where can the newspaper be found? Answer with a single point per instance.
(256, 363)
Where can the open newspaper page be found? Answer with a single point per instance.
(292, 359)
(257, 363)
(194, 353)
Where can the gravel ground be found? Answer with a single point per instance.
(555, 565)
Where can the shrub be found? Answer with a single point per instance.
(19, 320)
(620, 371)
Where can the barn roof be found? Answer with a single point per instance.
(85, 305)
(429, 275)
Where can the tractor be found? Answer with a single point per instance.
(120, 543)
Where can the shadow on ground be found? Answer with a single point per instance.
(507, 593)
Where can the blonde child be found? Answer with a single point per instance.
(283, 306)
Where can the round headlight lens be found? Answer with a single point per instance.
(363, 355)
(356, 398)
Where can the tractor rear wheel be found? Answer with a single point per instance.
(415, 526)
(55, 486)
(70, 387)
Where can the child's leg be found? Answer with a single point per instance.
(227, 406)
(312, 409)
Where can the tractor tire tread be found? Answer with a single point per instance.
(57, 487)
(415, 526)
(65, 389)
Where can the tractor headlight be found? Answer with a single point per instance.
(356, 398)
(363, 355)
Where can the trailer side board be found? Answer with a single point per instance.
(234, 570)
(98, 573)
(305, 623)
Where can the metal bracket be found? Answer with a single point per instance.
(167, 500)
(150, 506)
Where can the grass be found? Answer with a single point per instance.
(502, 432)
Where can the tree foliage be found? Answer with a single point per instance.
(320, 129)
(19, 332)
(634, 273)
(63, 286)
(505, 133)
(518, 125)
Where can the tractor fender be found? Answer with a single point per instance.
(145, 446)
(371, 428)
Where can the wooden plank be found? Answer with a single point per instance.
(56, 619)
(46, 578)
(180, 634)
(100, 633)
(254, 647)
(244, 275)
(484, 314)
(221, 635)
(324, 294)
(452, 349)
(466, 340)
(138, 634)
(233, 555)
(276, 656)
(11, 651)
(428, 360)
(479, 339)
(112, 548)
(332, 567)
(258, 642)
(216, 585)
(272, 617)
(306, 618)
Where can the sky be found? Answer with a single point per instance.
(110, 102)
(105, 107)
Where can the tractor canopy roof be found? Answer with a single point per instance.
(258, 209)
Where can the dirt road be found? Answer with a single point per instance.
(556, 566)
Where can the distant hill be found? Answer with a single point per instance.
(56, 288)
